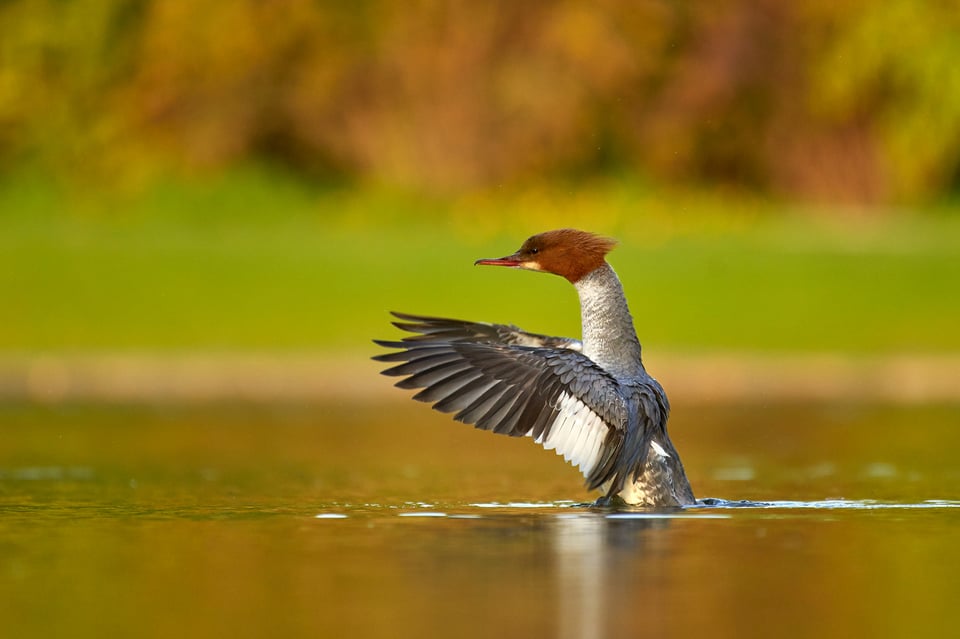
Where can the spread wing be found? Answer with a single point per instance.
(505, 380)
(438, 329)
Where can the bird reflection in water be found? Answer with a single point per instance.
(595, 557)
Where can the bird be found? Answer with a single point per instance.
(591, 400)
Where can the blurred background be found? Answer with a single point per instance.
(207, 209)
(227, 197)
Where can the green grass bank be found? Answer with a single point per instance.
(255, 261)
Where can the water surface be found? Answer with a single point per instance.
(390, 520)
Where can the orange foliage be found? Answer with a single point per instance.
(813, 99)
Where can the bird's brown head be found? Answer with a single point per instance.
(567, 252)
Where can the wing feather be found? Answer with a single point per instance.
(435, 329)
(511, 382)
(448, 386)
(482, 405)
(468, 394)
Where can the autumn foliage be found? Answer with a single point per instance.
(848, 100)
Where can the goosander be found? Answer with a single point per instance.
(590, 400)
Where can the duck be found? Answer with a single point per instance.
(590, 399)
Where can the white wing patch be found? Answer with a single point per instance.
(577, 433)
(658, 449)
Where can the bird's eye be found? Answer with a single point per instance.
(534, 251)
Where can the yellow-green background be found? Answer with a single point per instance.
(224, 176)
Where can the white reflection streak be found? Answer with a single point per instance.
(580, 554)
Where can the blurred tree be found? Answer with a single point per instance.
(843, 100)
(60, 67)
(890, 72)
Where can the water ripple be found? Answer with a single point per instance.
(572, 510)
(825, 504)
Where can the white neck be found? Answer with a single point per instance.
(609, 338)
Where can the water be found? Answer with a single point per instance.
(389, 520)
